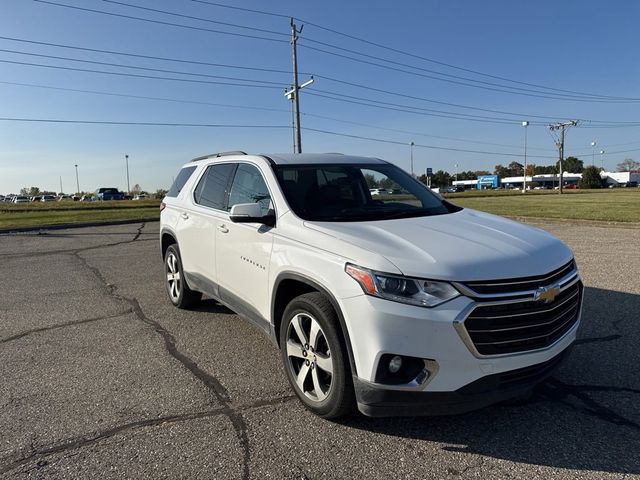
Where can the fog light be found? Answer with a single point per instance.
(395, 364)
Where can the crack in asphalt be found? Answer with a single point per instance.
(555, 390)
(64, 325)
(210, 381)
(75, 251)
(83, 441)
(609, 338)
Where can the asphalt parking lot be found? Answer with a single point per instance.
(101, 377)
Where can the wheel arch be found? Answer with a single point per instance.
(289, 285)
(167, 237)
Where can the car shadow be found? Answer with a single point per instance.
(209, 305)
(585, 417)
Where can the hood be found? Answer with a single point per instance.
(463, 246)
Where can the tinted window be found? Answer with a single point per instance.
(249, 187)
(354, 193)
(180, 180)
(212, 188)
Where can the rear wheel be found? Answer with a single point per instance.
(179, 292)
(314, 356)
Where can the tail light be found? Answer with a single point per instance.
(162, 205)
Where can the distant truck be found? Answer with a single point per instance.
(106, 193)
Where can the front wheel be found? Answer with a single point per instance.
(314, 356)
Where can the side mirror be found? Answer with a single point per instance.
(250, 213)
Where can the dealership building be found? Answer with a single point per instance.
(614, 179)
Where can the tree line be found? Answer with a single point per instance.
(443, 178)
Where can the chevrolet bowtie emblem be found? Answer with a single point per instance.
(546, 294)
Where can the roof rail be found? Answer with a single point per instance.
(219, 154)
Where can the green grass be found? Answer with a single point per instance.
(60, 213)
(616, 205)
(610, 205)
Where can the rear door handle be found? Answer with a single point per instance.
(223, 228)
(184, 215)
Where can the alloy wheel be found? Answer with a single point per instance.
(309, 357)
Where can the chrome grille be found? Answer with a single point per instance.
(504, 286)
(523, 325)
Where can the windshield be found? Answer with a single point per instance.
(357, 192)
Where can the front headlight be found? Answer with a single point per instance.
(414, 291)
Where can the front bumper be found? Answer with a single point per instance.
(375, 401)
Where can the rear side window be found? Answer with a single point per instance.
(213, 187)
(180, 180)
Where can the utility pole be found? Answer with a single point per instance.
(61, 191)
(411, 146)
(562, 126)
(126, 159)
(525, 124)
(77, 181)
(294, 93)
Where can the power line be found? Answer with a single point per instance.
(147, 124)
(429, 100)
(160, 22)
(243, 9)
(573, 92)
(408, 109)
(144, 97)
(135, 67)
(217, 22)
(134, 75)
(395, 142)
(403, 52)
(150, 57)
(247, 107)
(457, 77)
(396, 69)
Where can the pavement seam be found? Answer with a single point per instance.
(83, 441)
(209, 381)
(64, 325)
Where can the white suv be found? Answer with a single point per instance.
(404, 306)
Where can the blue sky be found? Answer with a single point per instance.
(581, 46)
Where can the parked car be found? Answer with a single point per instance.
(87, 198)
(377, 191)
(35, 198)
(140, 196)
(396, 307)
(65, 198)
(48, 198)
(456, 189)
(20, 199)
(109, 193)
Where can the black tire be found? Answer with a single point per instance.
(179, 292)
(327, 394)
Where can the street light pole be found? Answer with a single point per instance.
(411, 147)
(593, 153)
(126, 158)
(77, 181)
(456, 165)
(525, 124)
(602, 160)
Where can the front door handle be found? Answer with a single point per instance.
(184, 215)
(223, 228)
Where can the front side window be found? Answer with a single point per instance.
(213, 187)
(249, 187)
(357, 192)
